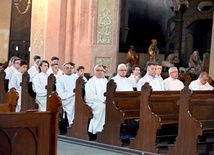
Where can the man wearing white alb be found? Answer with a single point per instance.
(15, 81)
(151, 78)
(94, 95)
(33, 71)
(64, 87)
(172, 82)
(123, 84)
(135, 75)
(39, 83)
(201, 83)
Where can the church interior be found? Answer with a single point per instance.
(90, 32)
(48, 29)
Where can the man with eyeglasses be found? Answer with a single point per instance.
(172, 82)
(151, 78)
(65, 88)
(130, 127)
(123, 84)
(201, 83)
(94, 96)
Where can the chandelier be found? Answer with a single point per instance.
(16, 4)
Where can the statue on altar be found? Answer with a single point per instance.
(153, 51)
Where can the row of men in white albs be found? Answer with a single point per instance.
(95, 87)
(65, 84)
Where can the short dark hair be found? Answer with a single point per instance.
(80, 67)
(54, 64)
(54, 58)
(151, 63)
(191, 68)
(135, 66)
(36, 57)
(70, 63)
(23, 62)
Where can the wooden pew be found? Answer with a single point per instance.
(159, 104)
(11, 101)
(30, 132)
(79, 128)
(114, 119)
(196, 116)
(27, 95)
(157, 108)
(3, 87)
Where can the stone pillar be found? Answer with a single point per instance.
(96, 33)
(5, 13)
(48, 29)
(38, 27)
(211, 73)
(85, 32)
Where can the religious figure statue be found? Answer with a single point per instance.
(206, 62)
(195, 61)
(132, 57)
(153, 51)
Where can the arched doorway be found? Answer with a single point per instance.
(199, 35)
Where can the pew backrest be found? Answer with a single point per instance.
(39, 130)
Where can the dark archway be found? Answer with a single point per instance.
(201, 31)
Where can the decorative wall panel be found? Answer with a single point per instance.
(105, 22)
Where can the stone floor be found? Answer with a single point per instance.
(72, 146)
(65, 148)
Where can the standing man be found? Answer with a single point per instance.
(39, 84)
(65, 88)
(172, 82)
(123, 84)
(15, 66)
(201, 83)
(34, 69)
(15, 81)
(94, 95)
(54, 60)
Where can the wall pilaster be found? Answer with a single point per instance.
(5, 14)
(211, 73)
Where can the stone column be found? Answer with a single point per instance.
(85, 32)
(38, 25)
(211, 73)
(96, 33)
(5, 13)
